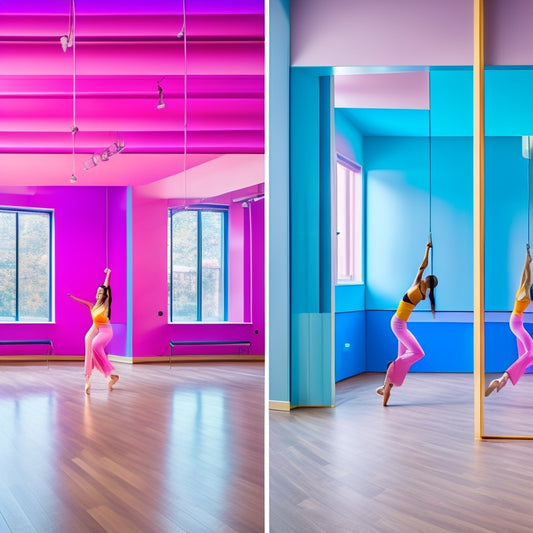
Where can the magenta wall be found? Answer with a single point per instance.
(151, 332)
(91, 229)
(80, 259)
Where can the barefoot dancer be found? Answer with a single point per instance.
(523, 339)
(409, 351)
(98, 337)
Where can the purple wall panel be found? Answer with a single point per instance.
(152, 333)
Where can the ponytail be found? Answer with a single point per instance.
(107, 298)
(432, 283)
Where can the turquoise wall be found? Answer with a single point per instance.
(399, 178)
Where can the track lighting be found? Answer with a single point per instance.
(91, 163)
(161, 104)
(110, 151)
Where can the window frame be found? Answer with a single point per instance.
(199, 209)
(355, 255)
(25, 211)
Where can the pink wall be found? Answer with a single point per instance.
(80, 259)
(151, 332)
(87, 232)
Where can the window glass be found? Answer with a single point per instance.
(349, 223)
(197, 259)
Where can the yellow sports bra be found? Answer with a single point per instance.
(99, 316)
(408, 302)
(521, 305)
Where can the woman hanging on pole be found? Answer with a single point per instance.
(409, 350)
(523, 339)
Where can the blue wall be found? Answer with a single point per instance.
(398, 177)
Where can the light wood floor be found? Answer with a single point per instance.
(169, 450)
(411, 467)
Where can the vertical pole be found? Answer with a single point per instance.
(479, 219)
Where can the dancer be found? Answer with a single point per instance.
(98, 337)
(409, 351)
(523, 339)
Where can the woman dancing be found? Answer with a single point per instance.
(409, 351)
(99, 335)
(523, 339)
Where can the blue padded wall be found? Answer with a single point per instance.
(350, 344)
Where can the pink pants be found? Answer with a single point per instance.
(525, 349)
(96, 340)
(409, 352)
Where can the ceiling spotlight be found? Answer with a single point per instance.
(66, 42)
(111, 150)
(91, 163)
(161, 104)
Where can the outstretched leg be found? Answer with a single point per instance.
(409, 352)
(101, 361)
(89, 356)
(525, 356)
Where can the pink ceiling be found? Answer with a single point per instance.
(213, 76)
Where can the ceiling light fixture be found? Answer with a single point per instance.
(161, 103)
(110, 151)
(71, 42)
(68, 40)
(183, 35)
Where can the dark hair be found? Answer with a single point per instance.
(432, 283)
(107, 294)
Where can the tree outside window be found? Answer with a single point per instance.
(198, 265)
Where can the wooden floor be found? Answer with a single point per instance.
(169, 450)
(411, 467)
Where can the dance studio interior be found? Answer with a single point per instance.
(262, 179)
(427, 106)
(132, 138)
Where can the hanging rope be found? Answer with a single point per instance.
(72, 29)
(528, 185)
(429, 156)
(107, 227)
(185, 101)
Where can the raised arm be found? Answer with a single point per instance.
(107, 276)
(84, 302)
(525, 282)
(424, 264)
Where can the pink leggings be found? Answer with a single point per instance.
(96, 340)
(525, 351)
(409, 351)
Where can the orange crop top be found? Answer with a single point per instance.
(520, 305)
(408, 302)
(99, 316)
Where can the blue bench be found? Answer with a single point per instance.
(46, 342)
(173, 344)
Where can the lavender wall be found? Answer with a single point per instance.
(407, 33)
(381, 32)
